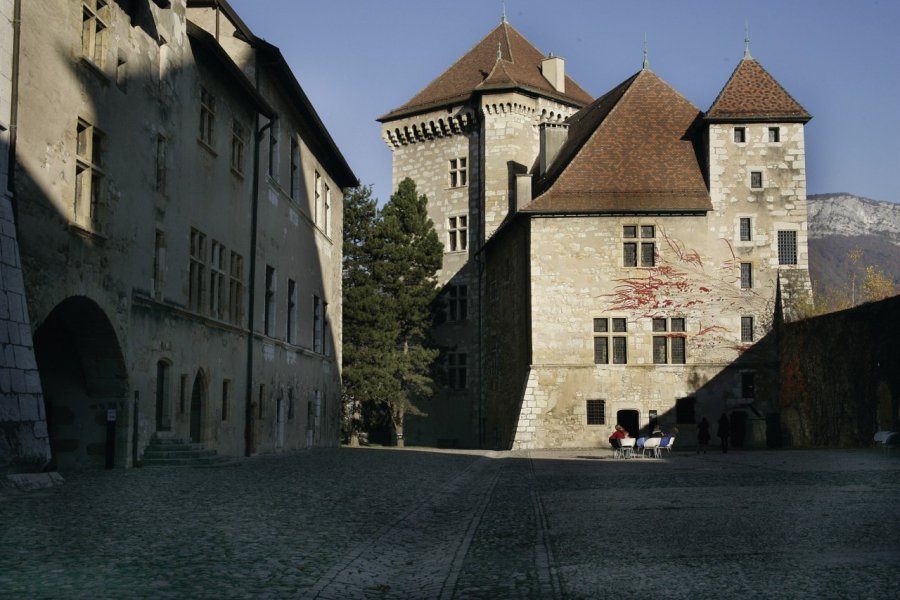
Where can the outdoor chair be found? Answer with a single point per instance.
(651, 445)
(666, 444)
(639, 445)
(626, 449)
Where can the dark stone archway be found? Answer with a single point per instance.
(84, 377)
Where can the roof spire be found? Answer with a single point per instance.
(503, 19)
(646, 64)
(747, 39)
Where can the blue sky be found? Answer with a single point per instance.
(358, 59)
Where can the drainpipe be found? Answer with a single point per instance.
(14, 108)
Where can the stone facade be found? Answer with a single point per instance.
(725, 218)
(183, 271)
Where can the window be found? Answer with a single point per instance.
(226, 386)
(317, 198)
(756, 180)
(207, 116)
(740, 135)
(292, 310)
(295, 168)
(88, 173)
(596, 412)
(774, 134)
(685, 411)
(238, 142)
(326, 213)
(746, 276)
(458, 232)
(745, 229)
(197, 271)
(318, 325)
(290, 411)
(456, 370)
(458, 172)
(787, 247)
(235, 288)
(93, 30)
(159, 262)
(620, 345)
(273, 149)
(601, 343)
(217, 280)
(748, 384)
(457, 303)
(269, 308)
(647, 246)
(746, 329)
(163, 419)
(669, 349)
(161, 163)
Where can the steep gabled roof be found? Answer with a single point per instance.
(751, 94)
(519, 67)
(635, 149)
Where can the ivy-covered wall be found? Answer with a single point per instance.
(840, 376)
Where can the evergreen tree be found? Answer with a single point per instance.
(391, 259)
(408, 255)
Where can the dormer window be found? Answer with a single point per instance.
(740, 135)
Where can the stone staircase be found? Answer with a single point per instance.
(168, 451)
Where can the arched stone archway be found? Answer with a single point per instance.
(83, 376)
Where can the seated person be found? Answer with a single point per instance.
(617, 436)
(657, 432)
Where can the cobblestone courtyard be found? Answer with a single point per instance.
(386, 523)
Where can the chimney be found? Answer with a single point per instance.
(553, 136)
(553, 68)
(523, 190)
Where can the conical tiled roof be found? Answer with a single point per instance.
(635, 148)
(519, 66)
(751, 94)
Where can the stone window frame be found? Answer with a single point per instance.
(238, 146)
(235, 288)
(747, 329)
(458, 173)
(94, 31)
(218, 308)
(619, 342)
(290, 332)
(745, 234)
(271, 283)
(295, 169)
(274, 134)
(636, 252)
(197, 271)
(457, 298)
(746, 275)
(773, 135)
(89, 174)
(739, 135)
(458, 233)
(669, 349)
(754, 174)
(595, 411)
(318, 324)
(610, 348)
(787, 247)
(206, 134)
(457, 371)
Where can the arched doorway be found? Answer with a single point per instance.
(198, 401)
(83, 377)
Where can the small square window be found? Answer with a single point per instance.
(601, 325)
(740, 135)
(596, 412)
(629, 231)
(677, 324)
(659, 324)
(648, 231)
(620, 325)
(756, 180)
(774, 134)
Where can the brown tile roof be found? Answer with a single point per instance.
(479, 70)
(636, 148)
(751, 94)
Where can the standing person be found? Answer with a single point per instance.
(615, 440)
(724, 431)
(702, 435)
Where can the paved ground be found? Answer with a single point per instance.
(384, 523)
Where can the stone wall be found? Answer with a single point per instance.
(839, 377)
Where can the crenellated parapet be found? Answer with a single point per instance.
(428, 126)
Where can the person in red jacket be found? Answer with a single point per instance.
(617, 436)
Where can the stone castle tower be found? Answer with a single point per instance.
(623, 259)
(463, 139)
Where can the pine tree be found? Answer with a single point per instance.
(390, 264)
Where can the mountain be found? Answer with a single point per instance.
(839, 223)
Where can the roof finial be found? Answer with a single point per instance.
(646, 59)
(503, 20)
(747, 39)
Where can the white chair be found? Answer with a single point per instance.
(651, 445)
(626, 450)
(670, 441)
